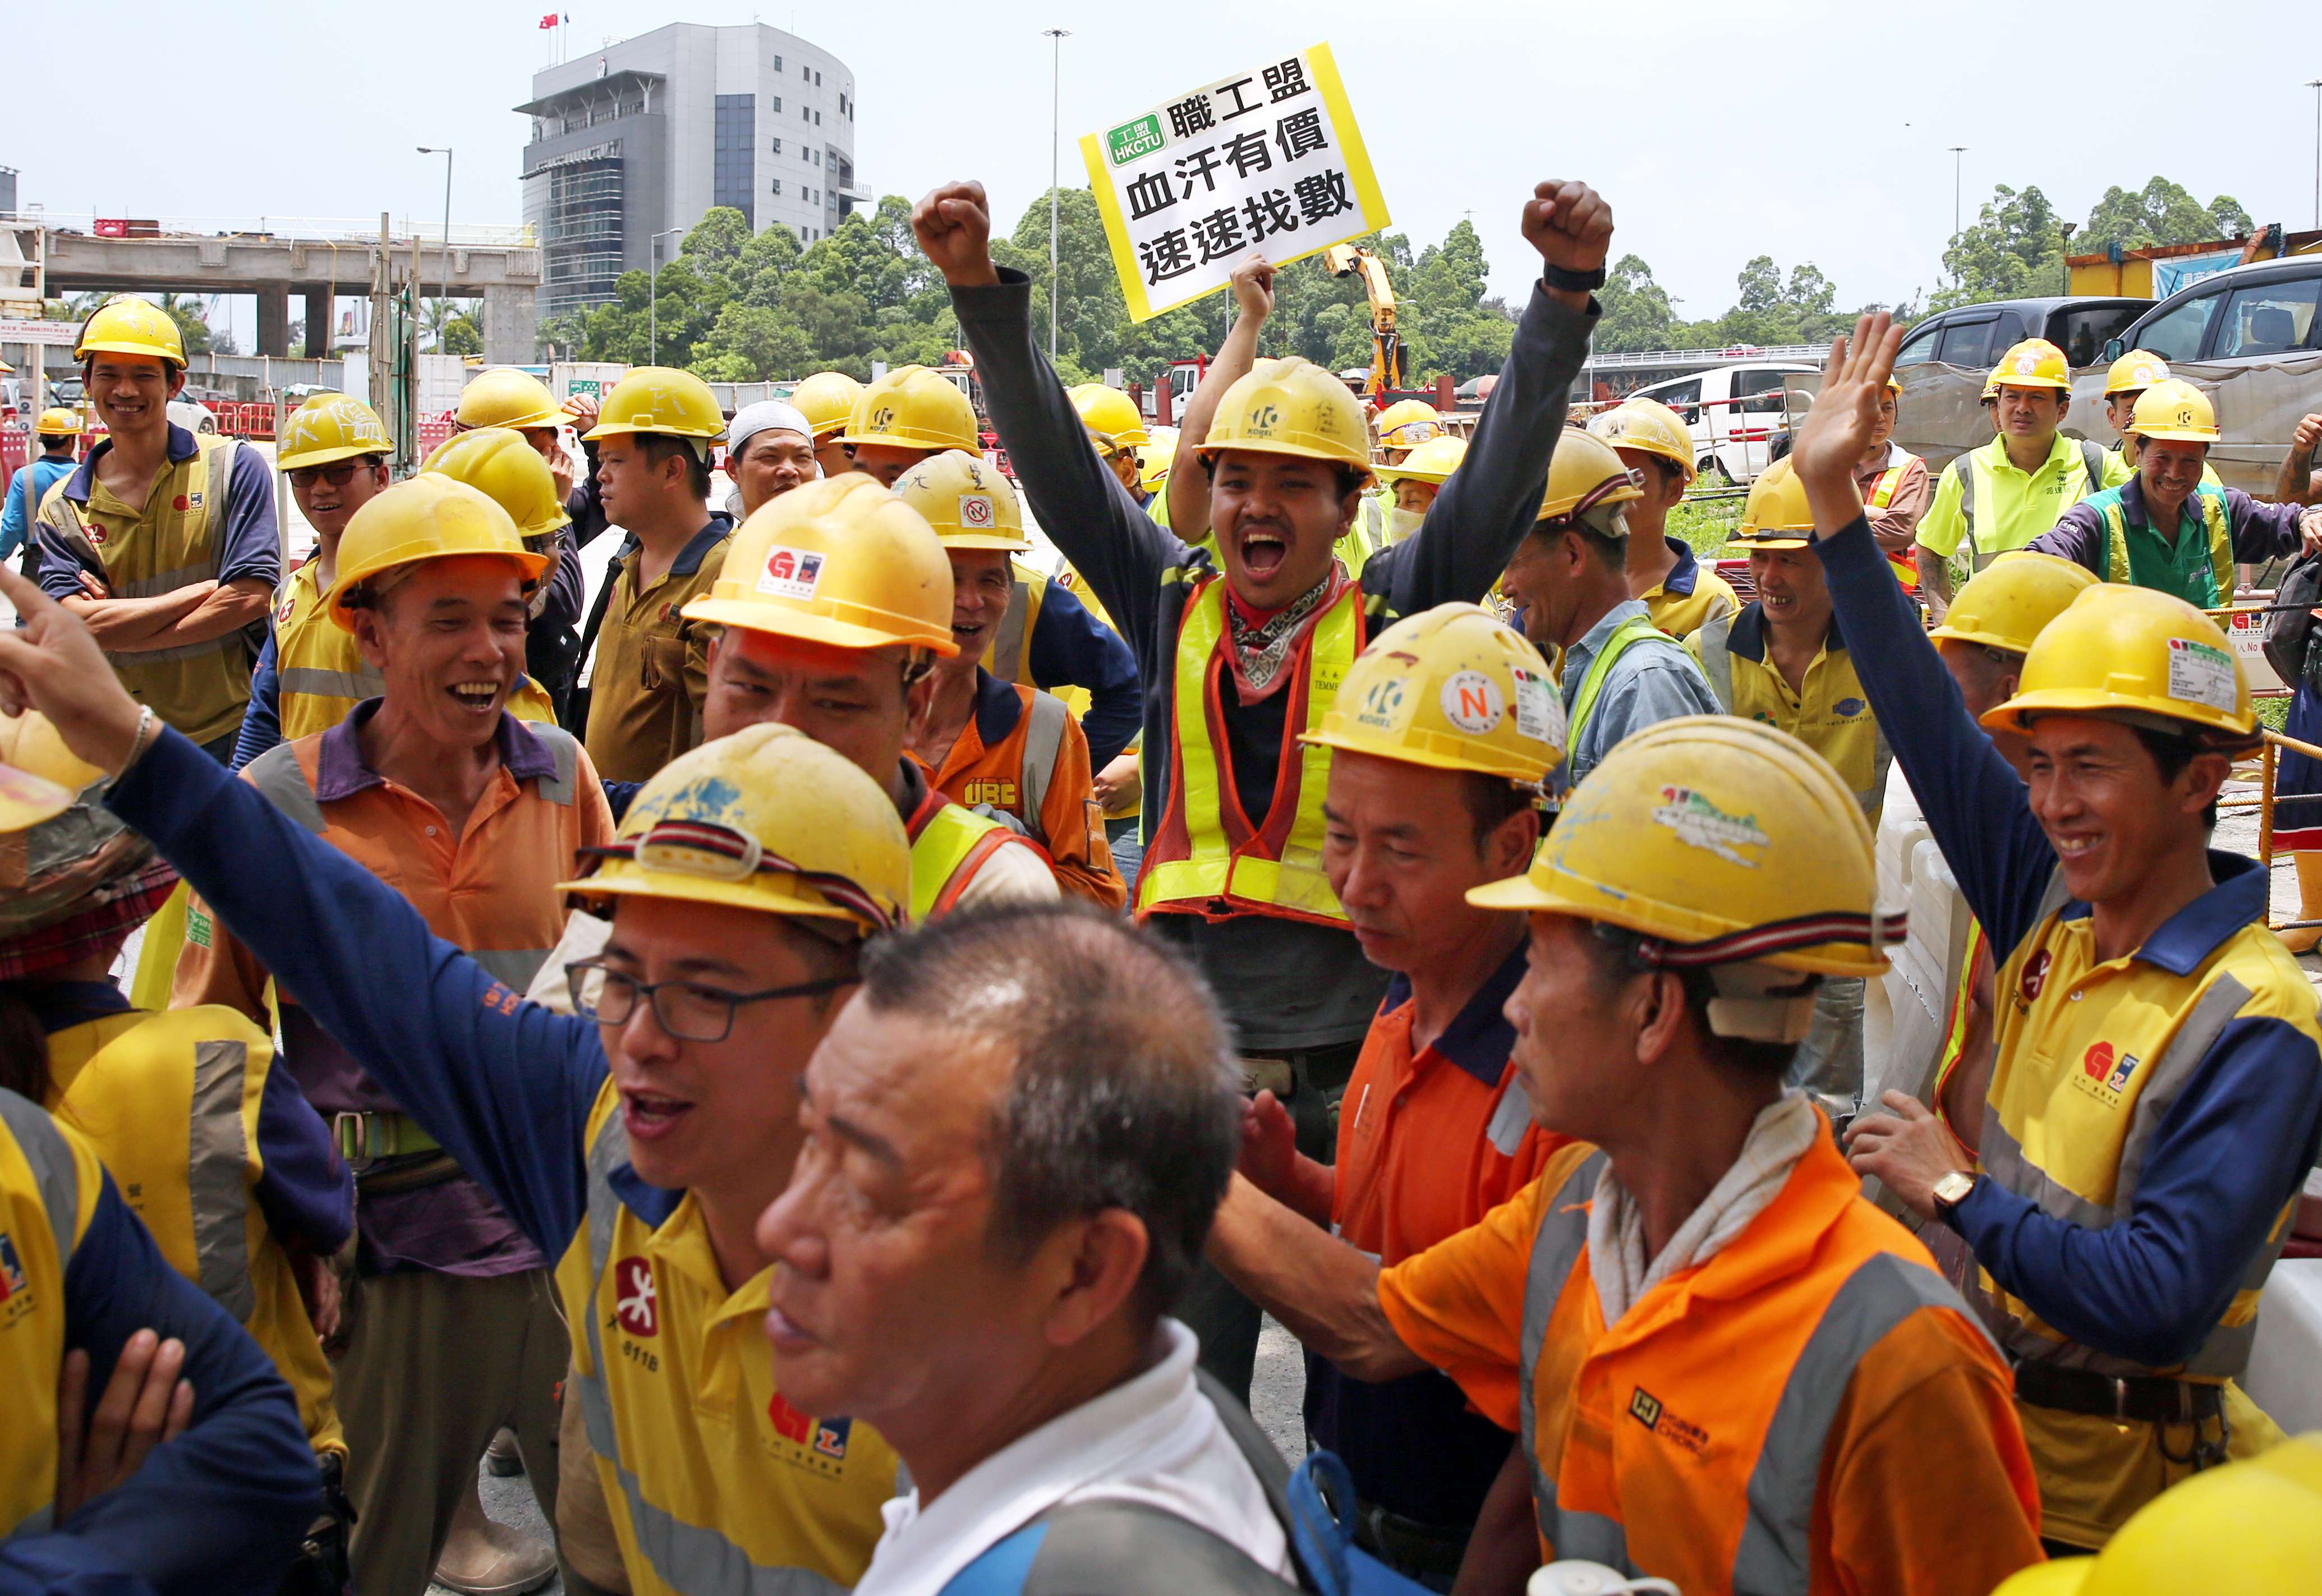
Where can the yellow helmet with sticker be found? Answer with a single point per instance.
(2010, 602)
(2135, 371)
(1650, 427)
(1454, 688)
(2174, 411)
(2140, 655)
(1407, 423)
(330, 428)
(969, 504)
(2034, 363)
(912, 407)
(1289, 407)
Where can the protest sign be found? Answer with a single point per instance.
(1267, 163)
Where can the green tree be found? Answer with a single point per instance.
(1637, 313)
(2013, 250)
(462, 335)
(2159, 214)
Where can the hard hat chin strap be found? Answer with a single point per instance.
(1762, 1002)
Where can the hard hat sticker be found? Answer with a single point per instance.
(1540, 713)
(975, 509)
(1387, 704)
(1701, 824)
(790, 573)
(1471, 701)
(2199, 674)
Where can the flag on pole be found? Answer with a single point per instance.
(548, 21)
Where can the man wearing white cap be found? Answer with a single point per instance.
(769, 450)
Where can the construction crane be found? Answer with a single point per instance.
(1387, 343)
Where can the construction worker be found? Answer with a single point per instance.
(2009, 491)
(1421, 807)
(769, 450)
(1233, 808)
(2156, 1083)
(495, 462)
(227, 1164)
(826, 400)
(999, 748)
(1688, 1328)
(1117, 427)
(1416, 480)
(59, 432)
(1895, 491)
(905, 417)
(2119, 533)
(163, 541)
(1404, 426)
(1570, 578)
(639, 1141)
(653, 442)
(504, 396)
(1678, 594)
(473, 817)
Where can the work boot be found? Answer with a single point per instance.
(502, 1461)
(2309, 903)
(482, 1557)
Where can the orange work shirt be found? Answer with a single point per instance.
(1811, 1409)
(987, 768)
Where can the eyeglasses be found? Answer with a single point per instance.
(686, 1009)
(338, 473)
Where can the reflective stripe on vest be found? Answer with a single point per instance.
(218, 1151)
(2087, 459)
(947, 851)
(55, 1176)
(1636, 629)
(318, 666)
(1906, 565)
(1008, 658)
(688, 1557)
(1947, 1059)
(34, 1346)
(1555, 1249)
(1044, 744)
(1205, 854)
(2118, 567)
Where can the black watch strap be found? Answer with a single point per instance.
(1572, 282)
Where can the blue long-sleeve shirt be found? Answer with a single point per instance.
(2237, 1142)
(26, 489)
(1070, 647)
(261, 717)
(222, 1507)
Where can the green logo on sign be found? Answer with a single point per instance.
(1132, 140)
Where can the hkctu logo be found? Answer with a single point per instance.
(635, 1303)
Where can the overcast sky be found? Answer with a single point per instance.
(1809, 131)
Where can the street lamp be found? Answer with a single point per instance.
(2315, 85)
(1056, 36)
(2063, 262)
(653, 298)
(447, 153)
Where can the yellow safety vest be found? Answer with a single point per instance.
(947, 848)
(1830, 714)
(1904, 565)
(170, 1102)
(1008, 656)
(2219, 571)
(713, 1481)
(1955, 1047)
(201, 688)
(1200, 861)
(50, 1179)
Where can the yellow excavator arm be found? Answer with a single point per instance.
(1386, 345)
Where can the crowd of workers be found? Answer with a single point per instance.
(830, 1096)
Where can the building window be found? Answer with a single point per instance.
(806, 71)
(805, 114)
(818, 119)
(778, 146)
(778, 63)
(818, 80)
(778, 185)
(734, 177)
(777, 103)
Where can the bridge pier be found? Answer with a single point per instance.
(319, 323)
(511, 324)
(274, 319)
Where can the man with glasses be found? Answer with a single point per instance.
(450, 1328)
(642, 1140)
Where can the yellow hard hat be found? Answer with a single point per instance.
(57, 423)
(1648, 425)
(329, 427)
(2174, 411)
(841, 562)
(766, 819)
(2010, 602)
(826, 400)
(128, 326)
(1157, 457)
(1289, 406)
(498, 462)
(663, 401)
(505, 396)
(1774, 516)
(970, 504)
(2123, 650)
(1728, 840)
(2034, 363)
(40, 776)
(912, 407)
(1454, 688)
(429, 517)
(1432, 461)
(1110, 416)
(1408, 422)
(1991, 386)
(2137, 369)
(1583, 474)
(2250, 1528)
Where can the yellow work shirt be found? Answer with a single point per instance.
(1828, 713)
(50, 1178)
(1689, 596)
(2009, 507)
(653, 665)
(318, 667)
(713, 1481)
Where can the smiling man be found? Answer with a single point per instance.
(163, 543)
(769, 450)
(2156, 1083)
(473, 816)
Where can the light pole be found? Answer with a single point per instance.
(1055, 36)
(1957, 150)
(2315, 85)
(444, 310)
(653, 298)
(2063, 262)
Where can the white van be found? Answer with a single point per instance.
(1735, 411)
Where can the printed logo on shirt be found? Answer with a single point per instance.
(192, 501)
(989, 789)
(1849, 708)
(831, 1437)
(2035, 976)
(12, 1284)
(282, 610)
(97, 534)
(790, 573)
(1648, 1410)
(637, 1305)
(815, 1445)
(2104, 1074)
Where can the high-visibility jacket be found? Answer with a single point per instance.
(1009, 655)
(746, 1493)
(1206, 857)
(1021, 754)
(170, 1101)
(1906, 565)
(949, 844)
(2201, 575)
(1634, 630)
(1829, 713)
(49, 1183)
(200, 688)
(1991, 513)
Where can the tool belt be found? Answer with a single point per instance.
(368, 1142)
(1415, 1548)
(2146, 1399)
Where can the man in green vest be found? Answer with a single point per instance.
(2165, 527)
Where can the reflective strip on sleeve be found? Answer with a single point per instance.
(54, 1170)
(219, 1147)
(276, 773)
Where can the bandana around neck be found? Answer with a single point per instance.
(1262, 642)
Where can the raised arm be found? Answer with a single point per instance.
(1189, 489)
(1489, 504)
(2298, 482)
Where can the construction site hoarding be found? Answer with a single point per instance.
(1266, 164)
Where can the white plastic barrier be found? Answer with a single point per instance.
(2285, 1367)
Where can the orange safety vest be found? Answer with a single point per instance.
(1906, 565)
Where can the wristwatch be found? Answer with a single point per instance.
(1572, 282)
(1952, 1190)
